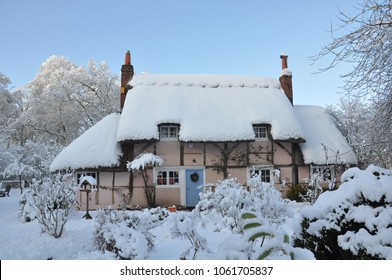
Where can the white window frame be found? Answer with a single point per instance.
(172, 132)
(166, 182)
(261, 132)
(265, 169)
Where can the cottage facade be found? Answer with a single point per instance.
(205, 128)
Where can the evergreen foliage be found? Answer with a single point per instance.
(352, 222)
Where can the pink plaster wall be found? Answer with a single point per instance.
(260, 154)
(168, 196)
(169, 151)
(280, 155)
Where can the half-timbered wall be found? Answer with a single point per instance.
(217, 160)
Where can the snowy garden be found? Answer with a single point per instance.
(42, 220)
(229, 222)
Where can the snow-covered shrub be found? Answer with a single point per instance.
(352, 222)
(126, 233)
(296, 192)
(311, 189)
(53, 199)
(184, 226)
(270, 242)
(26, 211)
(268, 202)
(222, 206)
(314, 188)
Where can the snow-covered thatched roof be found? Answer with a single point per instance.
(207, 107)
(324, 142)
(94, 148)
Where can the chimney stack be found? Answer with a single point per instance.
(284, 60)
(286, 78)
(128, 58)
(126, 76)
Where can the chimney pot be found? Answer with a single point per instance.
(128, 58)
(284, 56)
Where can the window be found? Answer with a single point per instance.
(168, 132)
(260, 132)
(83, 174)
(168, 178)
(264, 173)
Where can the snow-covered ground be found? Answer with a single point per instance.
(214, 230)
(24, 241)
(220, 227)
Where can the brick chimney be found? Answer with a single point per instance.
(126, 76)
(286, 78)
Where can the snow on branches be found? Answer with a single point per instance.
(144, 160)
(53, 199)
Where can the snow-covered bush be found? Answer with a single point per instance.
(268, 202)
(53, 199)
(184, 226)
(125, 233)
(26, 211)
(270, 242)
(296, 192)
(311, 189)
(222, 206)
(352, 222)
(140, 165)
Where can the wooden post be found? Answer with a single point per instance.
(113, 181)
(87, 215)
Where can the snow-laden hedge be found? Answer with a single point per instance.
(218, 216)
(352, 222)
(125, 233)
(256, 221)
(221, 205)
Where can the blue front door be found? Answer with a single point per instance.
(194, 181)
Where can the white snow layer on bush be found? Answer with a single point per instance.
(222, 207)
(374, 184)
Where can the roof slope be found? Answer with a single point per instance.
(214, 108)
(95, 147)
(207, 108)
(324, 142)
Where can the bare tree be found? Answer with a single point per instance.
(364, 40)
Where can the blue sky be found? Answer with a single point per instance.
(244, 37)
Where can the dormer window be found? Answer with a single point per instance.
(260, 132)
(168, 131)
